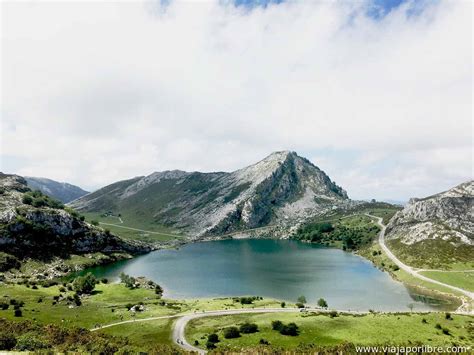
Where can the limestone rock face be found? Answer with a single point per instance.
(448, 216)
(282, 188)
(28, 231)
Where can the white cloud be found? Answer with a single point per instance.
(94, 92)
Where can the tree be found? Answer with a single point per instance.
(7, 341)
(213, 338)
(248, 328)
(85, 284)
(18, 312)
(128, 280)
(231, 332)
(301, 299)
(283, 305)
(322, 303)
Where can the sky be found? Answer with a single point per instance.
(376, 93)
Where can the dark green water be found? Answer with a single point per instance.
(282, 269)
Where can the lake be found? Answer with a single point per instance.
(281, 269)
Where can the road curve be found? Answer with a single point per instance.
(180, 325)
(407, 268)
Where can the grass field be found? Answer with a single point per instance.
(326, 331)
(154, 232)
(107, 305)
(464, 280)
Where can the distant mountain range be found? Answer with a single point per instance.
(282, 188)
(62, 191)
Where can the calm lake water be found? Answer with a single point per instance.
(282, 269)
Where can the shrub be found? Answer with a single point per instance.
(28, 342)
(18, 313)
(85, 284)
(94, 222)
(27, 199)
(445, 331)
(289, 329)
(196, 342)
(277, 325)
(13, 301)
(210, 345)
(104, 280)
(283, 305)
(231, 332)
(77, 299)
(424, 321)
(333, 314)
(248, 328)
(4, 305)
(7, 341)
(264, 341)
(448, 316)
(62, 289)
(82, 218)
(299, 305)
(438, 326)
(34, 287)
(213, 338)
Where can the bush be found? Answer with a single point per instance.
(18, 313)
(283, 305)
(289, 329)
(448, 316)
(27, 199)
(248, 328)
(277, 325)
(85, 284)
(264, 341)
(27, 342)
(62, 289)
(196, 342)
(424, 321)
(438, 326)
(299, 305)
(94, 222)
(7, 341)
(210, 345)
(333, 314)
(231, 332)
(213, 338)
(445, 331)
(77, 299)
(4, 306)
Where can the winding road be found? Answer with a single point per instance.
(408, 269)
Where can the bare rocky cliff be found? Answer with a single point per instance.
(447, 215)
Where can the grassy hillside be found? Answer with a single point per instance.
(317, 330)
(347, 229)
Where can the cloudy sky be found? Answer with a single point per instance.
(377, 93)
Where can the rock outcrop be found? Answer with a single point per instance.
(45, 232)
(448, 215)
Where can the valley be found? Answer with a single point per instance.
(251, 242)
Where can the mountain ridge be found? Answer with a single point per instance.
(62, 191)
(281, 186)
